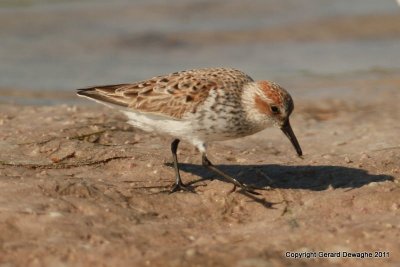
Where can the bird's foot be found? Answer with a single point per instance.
(245, 188)
(179, 187)
(169, 164)
(207, 163)
(249, 189)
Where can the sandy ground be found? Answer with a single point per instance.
(79, 187)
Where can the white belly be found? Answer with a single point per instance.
(153, 123)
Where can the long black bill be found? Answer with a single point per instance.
(287, 130)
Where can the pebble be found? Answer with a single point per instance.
(389, 225)
(347, 160)
(341, 143)
(55, 214)
(394, 207)
(327, 156)
(154, 190)
(28, 210)
(364, 156)
(72, 108)
(366, 234)
(190, 252)
(40, 174)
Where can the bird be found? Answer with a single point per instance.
(201, 106)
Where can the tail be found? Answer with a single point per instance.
(105, 95)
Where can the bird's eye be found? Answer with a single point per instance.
(275, 109)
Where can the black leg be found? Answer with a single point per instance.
(178, 186)
(207, 163)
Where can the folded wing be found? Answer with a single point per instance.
(171, 95)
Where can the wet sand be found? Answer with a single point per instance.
(61, 45)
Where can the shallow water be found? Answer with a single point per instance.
(63, 45)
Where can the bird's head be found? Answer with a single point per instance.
(273, 104)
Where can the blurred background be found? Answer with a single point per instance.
(48, 48)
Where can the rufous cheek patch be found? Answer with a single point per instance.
(261, 105)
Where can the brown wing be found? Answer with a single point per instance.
(171, 95)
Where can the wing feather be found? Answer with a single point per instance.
(171, 95)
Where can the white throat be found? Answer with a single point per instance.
(253, 115)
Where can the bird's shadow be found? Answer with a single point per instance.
(294, 177)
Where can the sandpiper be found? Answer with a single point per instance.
(201, 106)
